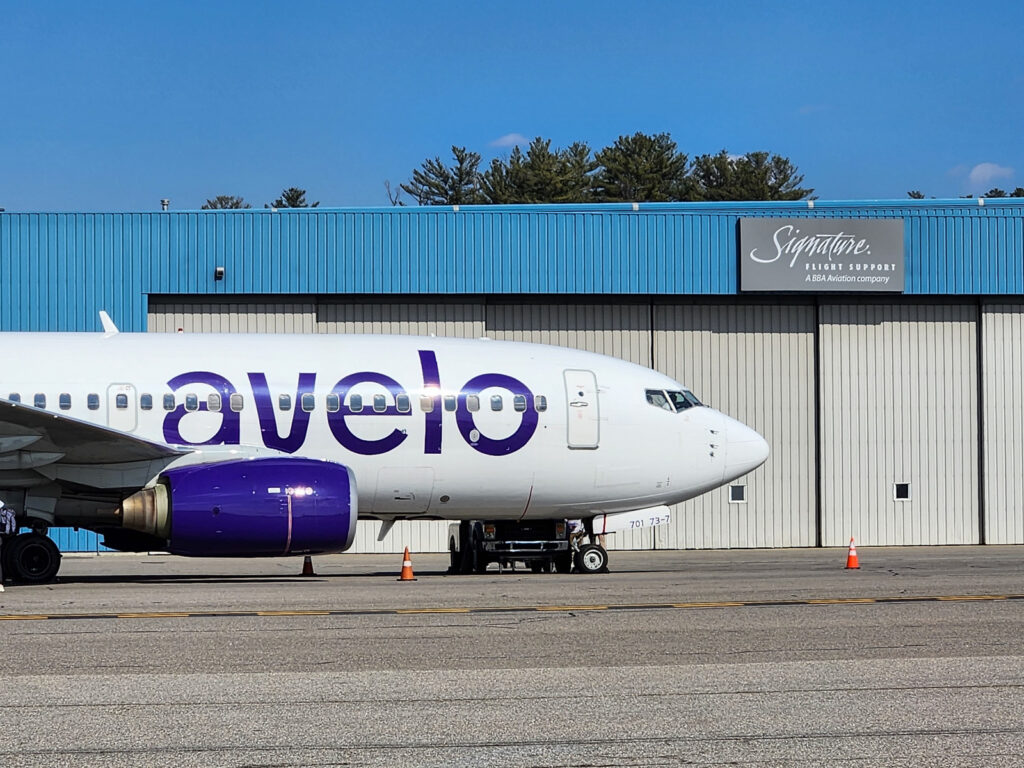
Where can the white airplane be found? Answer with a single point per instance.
(269, 445)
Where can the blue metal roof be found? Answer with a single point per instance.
(59, 269)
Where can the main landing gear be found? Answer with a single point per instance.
(30, 558)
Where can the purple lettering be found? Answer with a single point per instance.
(229, 431)
(264, 401)
(484, 444)
(340, 430)
(432, 380)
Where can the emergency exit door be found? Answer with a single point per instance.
(583, 416)
(122, 407)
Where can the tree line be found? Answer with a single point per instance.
(637, 168)
(916, 194)
(292, 197)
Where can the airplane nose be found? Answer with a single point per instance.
(746, 450)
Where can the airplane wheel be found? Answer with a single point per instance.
(563, 563)
(34, 558)
(455, 559)
(591, 559)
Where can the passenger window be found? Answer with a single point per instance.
(191, 402)
(92, 402)
(333, 403)
(380, 403)
(402, 403)
(496, 402)
(168, 402)
(121, 401)
(450, 402)
(355, 403)
(236, 402)
(519, 403)
(64, 401)
(213, 403)
(426, 403)
(284, 402)
(39, 401)
(308, 401)
(14, 397)
(472, 403)
(540, 403)
(146, 401)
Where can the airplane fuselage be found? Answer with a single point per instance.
(431, 427)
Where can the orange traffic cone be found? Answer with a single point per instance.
(406, 567)
(851, 558)
(307, 566)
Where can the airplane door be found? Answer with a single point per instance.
(583, 415)
(122, 407)
(403, 490)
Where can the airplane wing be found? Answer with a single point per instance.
(38, 445)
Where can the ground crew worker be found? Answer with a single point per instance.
(8, 527)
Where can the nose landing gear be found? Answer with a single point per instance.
(591, 558)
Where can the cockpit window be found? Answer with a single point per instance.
(658, 399)
(673, 400)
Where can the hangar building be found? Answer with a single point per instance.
(878, 346)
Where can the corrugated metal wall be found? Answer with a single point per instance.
(899, 404)
(755, 363)
(60, 269)
(441, 318)
(1003, 375)
(250, 316)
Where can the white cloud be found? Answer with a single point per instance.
(983, 174)
(510, 140)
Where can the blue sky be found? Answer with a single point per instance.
(112, 106)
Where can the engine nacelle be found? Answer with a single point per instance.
(250, 508)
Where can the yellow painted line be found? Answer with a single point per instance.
(842, 601)
(958, 598)
(707, 605)
(571, 608)
(24, 617)
(291, 613)
(433, 610)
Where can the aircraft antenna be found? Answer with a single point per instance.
(108, 324)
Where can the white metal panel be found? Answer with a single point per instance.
(1003, 375)
(212, 315)
(440, 318)
(899, 405)
(619, 330)
(756, 364)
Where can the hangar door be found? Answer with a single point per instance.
(899, 424)
(1002, 341)
(756, 364)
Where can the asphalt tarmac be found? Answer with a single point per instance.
(746, 657)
